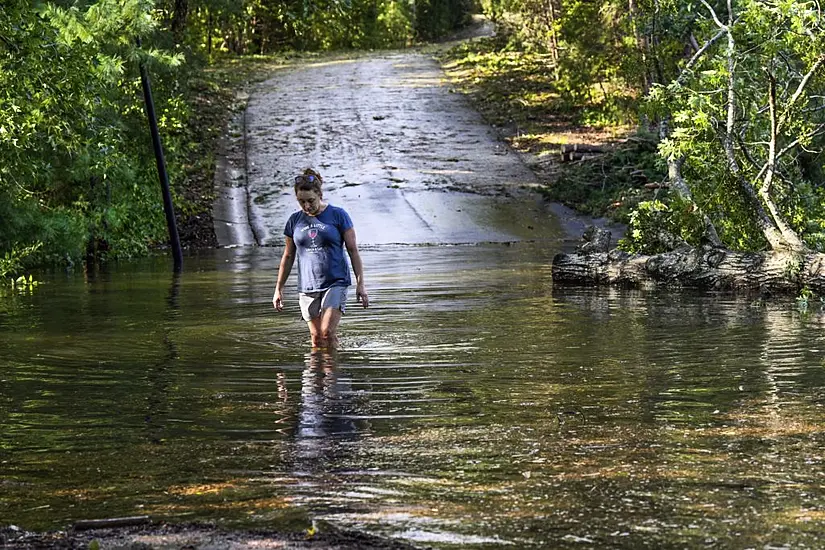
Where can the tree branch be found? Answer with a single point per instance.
(9, 43)
(714, 16)
(813, 109)
(785, 150)
(743, 147)
(788, 234)
(806, 79)
(771, 164)
(801, 88)
(727, 142)
(699, 53)
(776, 232)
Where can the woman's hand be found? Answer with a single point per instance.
(361, 295)
(287, 259)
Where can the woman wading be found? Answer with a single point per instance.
(317, 234)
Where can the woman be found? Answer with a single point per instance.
(317, 234)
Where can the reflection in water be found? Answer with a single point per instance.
(476, 404)
(324, 414)
(158, 375)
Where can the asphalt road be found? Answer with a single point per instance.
(409, 159)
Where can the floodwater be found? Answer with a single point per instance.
(474, 405)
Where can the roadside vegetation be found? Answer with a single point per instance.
(692, 121)
(588, 155)
(710, 114)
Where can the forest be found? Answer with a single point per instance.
(721, 104)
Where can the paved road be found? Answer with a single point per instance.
(410, 160)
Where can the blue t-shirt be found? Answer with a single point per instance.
(319, 241)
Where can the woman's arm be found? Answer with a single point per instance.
(357, 267)
(287, 259)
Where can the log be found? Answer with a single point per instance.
(705, 267)
(595, 240)
(580, 151)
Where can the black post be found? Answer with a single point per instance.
(168, 207)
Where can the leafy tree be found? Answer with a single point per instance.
(69, 140)
(264, 26)
(596, 49)
(747, 123)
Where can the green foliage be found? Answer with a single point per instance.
(510, 87)
(805, 298)
(24, 284)
(12, 264)
(513, 89)
(655, 227)
(775, 43)
(263, 27)
(73, 127)
(611, 184)
(394, 24)
(591, 56)
(435, 19)
(605, 56)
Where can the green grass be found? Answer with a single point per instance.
(517, 92)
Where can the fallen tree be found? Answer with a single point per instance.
(745, 121)
(742, 132)
(707, 266)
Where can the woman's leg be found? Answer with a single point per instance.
(330, 318)
(315, 333)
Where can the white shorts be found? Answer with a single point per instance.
(313, 303)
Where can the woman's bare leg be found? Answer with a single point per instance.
(315, 333)
(330, 318)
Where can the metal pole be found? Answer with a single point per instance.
(168, 207)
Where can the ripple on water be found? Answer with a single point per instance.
(474, 405)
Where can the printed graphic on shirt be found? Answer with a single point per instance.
(311, 236)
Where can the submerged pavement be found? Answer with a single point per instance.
(411, 161)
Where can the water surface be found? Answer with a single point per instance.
(472, 405)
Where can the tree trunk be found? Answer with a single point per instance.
(554, 39)
(641, 47)
(179, 17)
(209, 35)
(779, 271)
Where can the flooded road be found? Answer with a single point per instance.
(411, 161)
(474, 405)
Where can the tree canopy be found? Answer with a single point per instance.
(77, 175)
(735, 90)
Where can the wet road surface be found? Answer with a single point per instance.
(411, 161)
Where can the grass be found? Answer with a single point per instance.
(517, 93)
